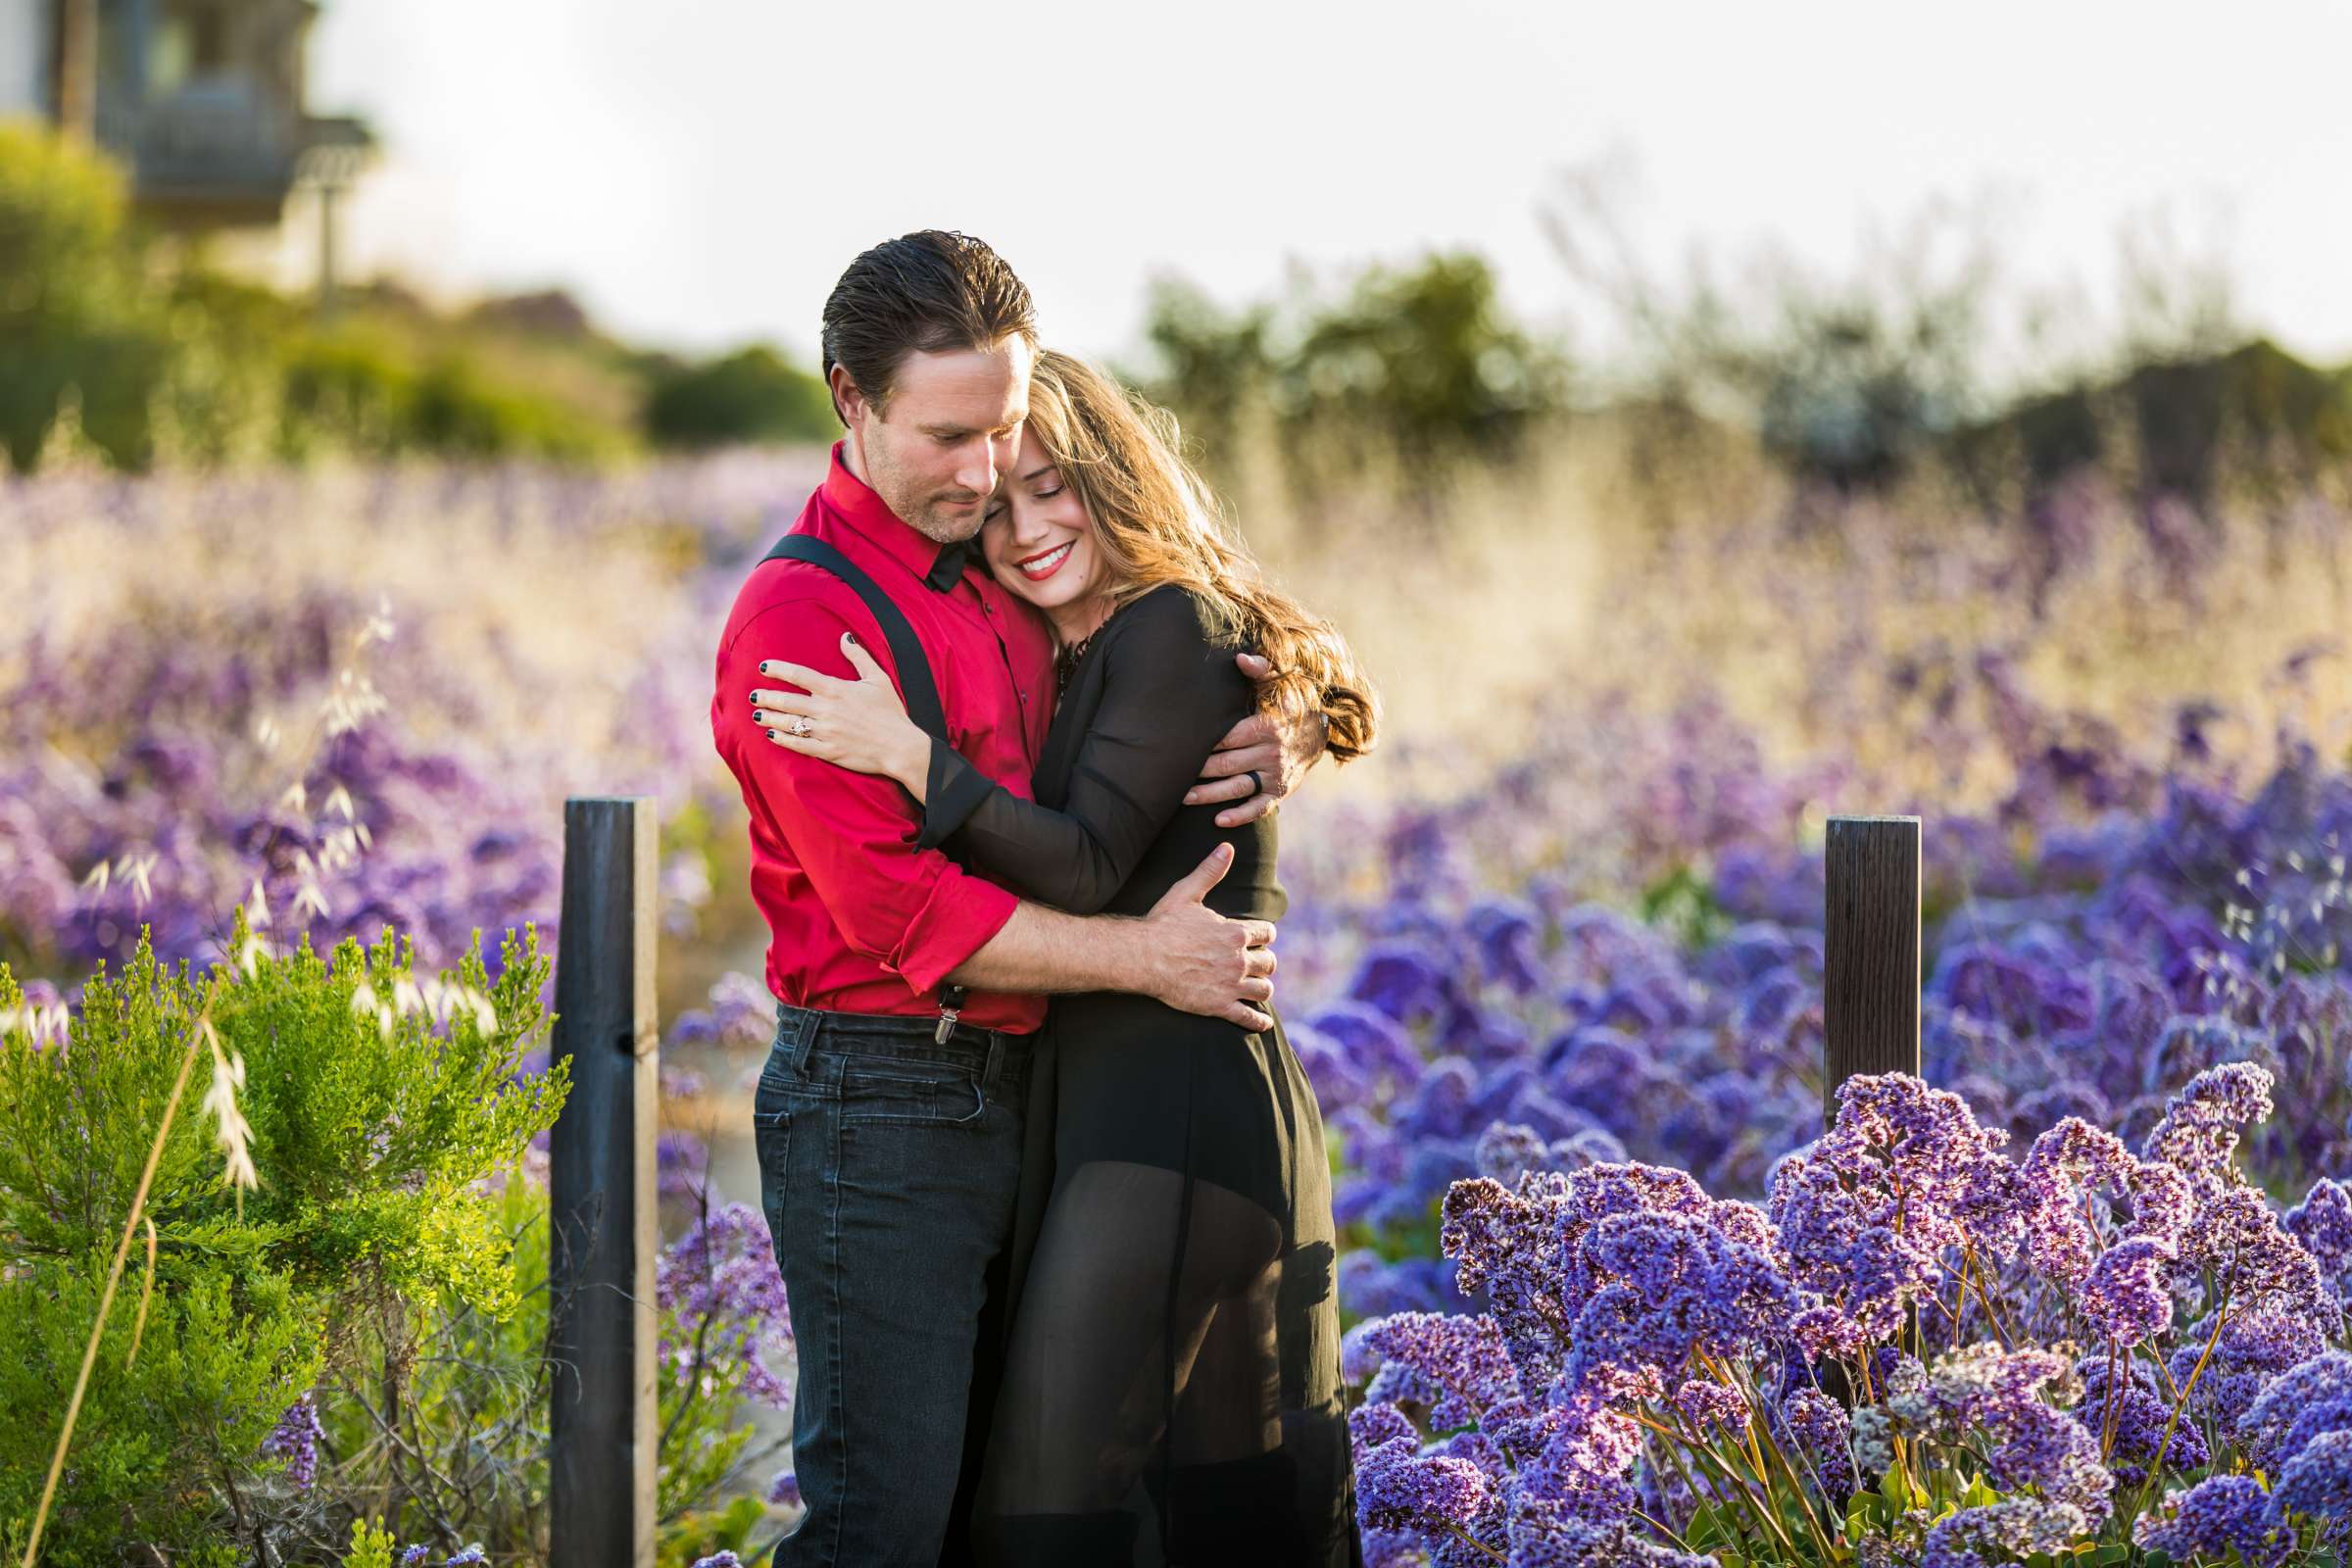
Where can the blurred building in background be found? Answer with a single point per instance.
(202, 99)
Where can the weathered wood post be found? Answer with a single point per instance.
(601, 1175)
(1870, 950)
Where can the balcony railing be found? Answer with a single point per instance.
(221, 144)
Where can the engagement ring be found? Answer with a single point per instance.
(798, 724)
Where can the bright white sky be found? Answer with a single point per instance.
(697, 171)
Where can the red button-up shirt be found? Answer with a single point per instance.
(861, 921)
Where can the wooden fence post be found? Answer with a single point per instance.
(1870, 950)
(600, 1176)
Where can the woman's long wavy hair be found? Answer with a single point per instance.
(1155, 521)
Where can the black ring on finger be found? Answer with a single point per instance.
(1257, 786)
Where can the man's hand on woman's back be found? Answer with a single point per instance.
(1204, 962)
(1183, 952)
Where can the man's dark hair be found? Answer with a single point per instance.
(934, 291)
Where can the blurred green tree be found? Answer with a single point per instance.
(1212, 362)
(73, 322)
(1426, 359)
(1412, 370)
(752, 394)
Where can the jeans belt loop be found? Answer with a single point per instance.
(803, 1037)
(996, 1061)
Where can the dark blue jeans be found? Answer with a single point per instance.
(889, 1170)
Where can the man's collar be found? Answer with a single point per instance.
(938, 564)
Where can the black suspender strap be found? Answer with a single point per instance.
(915, 685)
(905, 651)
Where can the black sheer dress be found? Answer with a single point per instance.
(1171, 1388)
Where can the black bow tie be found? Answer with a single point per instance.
(949, 565)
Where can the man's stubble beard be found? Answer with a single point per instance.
(883, 474)
(949, 530)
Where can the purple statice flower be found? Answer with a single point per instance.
(2122, 1289)
(296, 1439)
(2257, 1265)
(1816, 1432)
(2324, 1382)
(1507, 1150)
(1547, 1534)
(717, 1288)
(2141, 1419)
(2020, 1526)
(2162, 1202)
(1456, 1368)
(2318, 1481)
(1398, 1486)
(1376, 1047)
(1407, 983)
(2322, 1223)
(1474, 1446)
(785, 1491)
(723, 1558)
(414, 1556)
(1339, 1083)
(2252, 1349)
(1706, 1404)
(1509, 938)
(1826, 1330)
(2048, 1106)
(2199, 1131)
(2064, 1165)
(1658, 1289)
(2216, 1515)
(681, 1165)
(473, 1556)
(1505, 1244)
(2125, 1297)
(1370, 1286)
(1866, 1212)
(2191, 1043)
(2035, 1443)
(2314, 1422)
(740, 1012)
(1633, 1266)
(1585, 1453)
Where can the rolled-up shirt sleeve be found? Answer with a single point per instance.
(911, 909)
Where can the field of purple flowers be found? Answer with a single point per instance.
(1614, 1296)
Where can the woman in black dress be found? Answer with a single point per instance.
(1171, 1391)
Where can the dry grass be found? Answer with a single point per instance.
(1522, 593)
(1556, 579)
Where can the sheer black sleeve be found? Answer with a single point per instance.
(1170, 695)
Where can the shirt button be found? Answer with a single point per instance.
(988, 608)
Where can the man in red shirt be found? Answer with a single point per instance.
(891, 1119)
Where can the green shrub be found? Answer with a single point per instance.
(1413, 370)
(750, 395)
(220, 401)
(350, 387)
(73, 321)
(378, 1106)
(183, 362)
(461, 409)
(366, 387)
